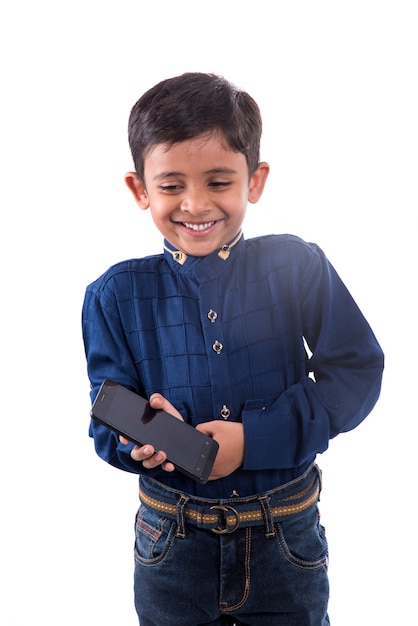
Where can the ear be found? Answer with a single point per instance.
(137, 189)
(257, 182)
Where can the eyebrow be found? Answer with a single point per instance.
(215, 170)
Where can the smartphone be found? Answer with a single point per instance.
(130, 415)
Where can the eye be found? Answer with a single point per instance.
(172, 188)
(219, 184)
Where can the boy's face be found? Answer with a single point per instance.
(197, 191)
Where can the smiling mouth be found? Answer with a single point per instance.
(198, 227)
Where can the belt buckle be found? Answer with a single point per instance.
(226, 508)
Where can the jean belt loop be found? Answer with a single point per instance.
(181, 526)
(268, 519)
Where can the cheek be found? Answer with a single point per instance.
(160, 208)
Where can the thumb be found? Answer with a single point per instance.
(207, 428)
(156, 401)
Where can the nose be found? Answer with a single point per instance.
(195, 202)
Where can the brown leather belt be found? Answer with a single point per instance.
(226, 517)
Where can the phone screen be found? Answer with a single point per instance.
(130, 415)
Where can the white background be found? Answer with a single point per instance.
(337, 86)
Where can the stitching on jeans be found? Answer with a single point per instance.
(224, 605)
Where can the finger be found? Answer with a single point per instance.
(142, 453)
(155, 460)
(168, 466)
(207, 428)
(157, 401)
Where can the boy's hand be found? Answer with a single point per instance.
(152, 458)
(230, 436)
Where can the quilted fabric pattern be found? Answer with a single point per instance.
(226, 338)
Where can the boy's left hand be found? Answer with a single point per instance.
(230, 436)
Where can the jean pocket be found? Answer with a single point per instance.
(154, 536)
(303, 541)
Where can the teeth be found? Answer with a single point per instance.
(199, 227)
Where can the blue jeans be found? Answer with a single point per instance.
(259, 561)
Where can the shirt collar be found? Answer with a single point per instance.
(223, 252)
(203, 268)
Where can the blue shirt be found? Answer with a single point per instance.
(222, 336)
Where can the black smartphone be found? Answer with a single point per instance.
(130, 415)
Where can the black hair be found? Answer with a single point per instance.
(191, 105)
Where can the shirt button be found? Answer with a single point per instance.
(225, 412)
(212, 315)
(217, 346)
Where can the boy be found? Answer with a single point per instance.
(214, 330)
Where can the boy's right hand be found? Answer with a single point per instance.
(150, 457)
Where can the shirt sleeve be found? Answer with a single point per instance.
(108, 357)
(342, 383)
